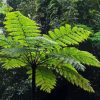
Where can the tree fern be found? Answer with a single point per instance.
(45, 55)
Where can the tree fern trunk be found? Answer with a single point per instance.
(33, 81)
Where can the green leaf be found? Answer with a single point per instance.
(81, 56)
(20, 27)
(45, 79)
(13, 63)
(4, 8)
(71, 74)
(66, 35)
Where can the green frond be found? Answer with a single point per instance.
(60, 57)
(12, 63)
(66, 35)
(41, 41)
(71, 74)
(96, 37)
(29, 72)
(20, 27)
(76, 57)
(81, 56)
(4, 8)
(45, 79)
(13, 52)
(3, 42)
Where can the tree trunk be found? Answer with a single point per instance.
(33, 81)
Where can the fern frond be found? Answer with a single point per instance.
(5, 42)
(29, 72)
(82, 56)
(58, 59)
(4, 8)
(66, 35)
(71, 74)
(20, 27)
(76, 55)
(13, 52)
(45, 79)
(42, 42)
(96, 37)
(13, 63)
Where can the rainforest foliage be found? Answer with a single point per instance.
(46, 34)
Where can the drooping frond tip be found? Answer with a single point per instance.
(71, 74)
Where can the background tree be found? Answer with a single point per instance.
(48, 13)
(89, 13)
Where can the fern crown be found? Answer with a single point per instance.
(23, 44)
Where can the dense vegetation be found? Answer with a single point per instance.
(48, 46)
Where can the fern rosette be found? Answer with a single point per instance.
(24, 46)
